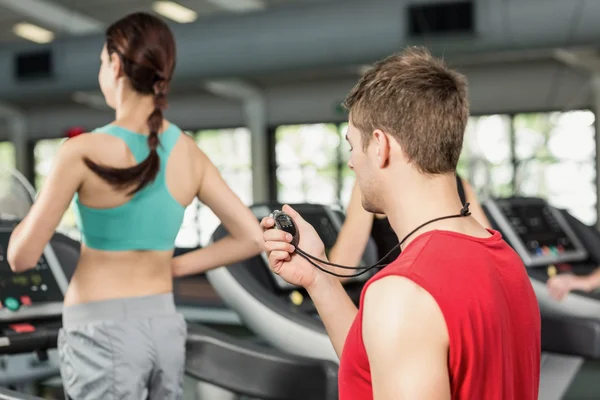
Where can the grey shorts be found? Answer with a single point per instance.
(131, 348)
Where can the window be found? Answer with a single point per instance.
(485, 160)
(7, 155)
(486, 156)
(8, 196)
(44, 152)
(307, 163)
(312, 160)
(548, 155)
(229, 150)
(555, 155)
(346, 174)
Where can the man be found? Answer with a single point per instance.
(454, 316)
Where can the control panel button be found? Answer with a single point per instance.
(36, 279)
(12, 304)
(26, 300)
(296, 297)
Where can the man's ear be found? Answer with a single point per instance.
(381, 142)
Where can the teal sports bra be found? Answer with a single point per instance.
(151, 219)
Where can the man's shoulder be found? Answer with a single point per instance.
(399, 303)
(441, 257)
(449, 247)
(395, 292)
(394, 288)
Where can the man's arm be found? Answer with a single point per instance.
(333, 304)
(336, 309)
(406, 339)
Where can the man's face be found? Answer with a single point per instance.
(365, 168)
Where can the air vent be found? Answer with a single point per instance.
(456, 17)
(33, 65)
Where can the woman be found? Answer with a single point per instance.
(360, 225)
(132, 180)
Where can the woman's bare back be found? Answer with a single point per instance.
(102, 275)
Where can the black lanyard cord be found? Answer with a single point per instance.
(463, 213)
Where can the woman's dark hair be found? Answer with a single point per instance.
(146, 47)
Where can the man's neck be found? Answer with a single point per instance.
(409, 206)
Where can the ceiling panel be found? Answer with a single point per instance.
(107, 11)
(8, 19)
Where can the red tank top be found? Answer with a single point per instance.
(491, 313)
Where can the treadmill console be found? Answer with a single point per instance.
(327, 224)
(35, 293)
(538, 232)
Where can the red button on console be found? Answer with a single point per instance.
(565, 267)
(22, 328)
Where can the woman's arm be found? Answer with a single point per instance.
(474, 206)
(354, 235)
(29, 238)
(245, 235)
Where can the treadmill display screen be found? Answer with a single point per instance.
(537, 231)
(27, 289)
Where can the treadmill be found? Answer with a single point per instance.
(30, 316)
(196, 299)
(551, 241)
(30, 302)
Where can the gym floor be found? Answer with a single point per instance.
(586, 385)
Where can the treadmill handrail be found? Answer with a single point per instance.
(40, 340)
(570, 335)
(257, 371)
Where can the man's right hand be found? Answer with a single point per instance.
(283, 260)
